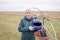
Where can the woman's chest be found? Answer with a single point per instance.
(27, 23)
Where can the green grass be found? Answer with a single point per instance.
(9, 26)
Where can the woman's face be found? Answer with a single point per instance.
(28, 15)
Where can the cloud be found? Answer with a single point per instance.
(21, 5)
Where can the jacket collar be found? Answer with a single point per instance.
(28, 19)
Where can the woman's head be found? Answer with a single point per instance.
(28, 14)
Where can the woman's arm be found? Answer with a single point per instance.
(22, 28)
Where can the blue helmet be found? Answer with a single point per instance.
(37, 24)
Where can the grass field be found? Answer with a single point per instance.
(9, 26)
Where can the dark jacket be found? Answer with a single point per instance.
(24, 28)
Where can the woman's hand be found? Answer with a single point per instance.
(31, 28)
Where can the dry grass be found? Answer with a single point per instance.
(9, 24)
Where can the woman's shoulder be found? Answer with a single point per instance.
(22, 19)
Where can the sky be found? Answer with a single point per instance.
(22, 5)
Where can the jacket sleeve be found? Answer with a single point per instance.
(22, 28)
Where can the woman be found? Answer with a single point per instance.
(25, 27)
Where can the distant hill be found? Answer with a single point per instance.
(46, 14)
